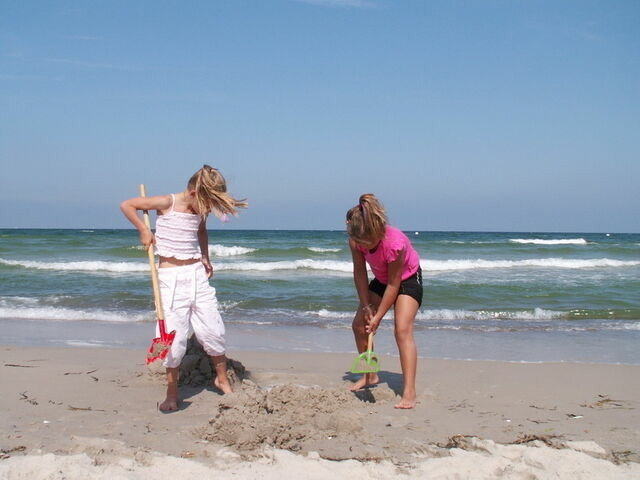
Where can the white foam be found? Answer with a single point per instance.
(446, 314)
(4, 301)
(468, 242)
(329, 314)
(332, 265)
(324, 250)
(88, 343)
(303, 264)
(224, 251)
(252, 322)
(227, 305)
(67, 314)
(467, 264)
(540, 241)
(82, 266)
(324, 313)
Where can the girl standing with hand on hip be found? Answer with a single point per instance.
(398, 283)
(182, 243)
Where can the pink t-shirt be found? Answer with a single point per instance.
(387, 251)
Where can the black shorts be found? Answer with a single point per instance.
(412, 286)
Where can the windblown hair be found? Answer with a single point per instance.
(211, 193)
(367, 221)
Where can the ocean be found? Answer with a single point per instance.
(522, 297)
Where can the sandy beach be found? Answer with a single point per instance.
(74, 413)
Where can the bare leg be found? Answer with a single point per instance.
(221, 382)
(406, 308)
(170, 403)
(361, 338)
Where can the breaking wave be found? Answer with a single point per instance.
(540, 241)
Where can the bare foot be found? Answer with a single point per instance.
(406, 403)
(365, 381)
(170, 404)
(224, 386)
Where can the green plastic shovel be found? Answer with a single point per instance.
(366, 362)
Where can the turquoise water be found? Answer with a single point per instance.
(501, 296)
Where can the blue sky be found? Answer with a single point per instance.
(460, 115)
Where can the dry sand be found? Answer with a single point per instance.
(92, 413)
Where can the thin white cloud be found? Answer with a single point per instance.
(340, 3)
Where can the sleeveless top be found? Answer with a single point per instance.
(177, 234)
(387, 251)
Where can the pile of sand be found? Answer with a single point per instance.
(292, 417)
(196, 369)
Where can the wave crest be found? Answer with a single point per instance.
(337, 266)
(81, 266)
(447, 314)
(568, 263)
(224, 251)
(304, 264)
(539, 314)
(67, 314)
(541, 241)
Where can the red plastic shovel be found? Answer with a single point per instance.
(159, 346)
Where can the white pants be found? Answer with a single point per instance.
(190, 306)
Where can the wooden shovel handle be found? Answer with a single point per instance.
(154, 271)
(370, 342)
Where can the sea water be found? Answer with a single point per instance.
(494, 296)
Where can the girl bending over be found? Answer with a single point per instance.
(397, 283)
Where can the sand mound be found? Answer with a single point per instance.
(196, 369)
(291, 417)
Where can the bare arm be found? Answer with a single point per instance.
(390, 293)
(360, 277)
(203, 241)
(131, 207)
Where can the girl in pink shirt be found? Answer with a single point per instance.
(398, 283)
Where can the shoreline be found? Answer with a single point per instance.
(613, 348)
(85, 400)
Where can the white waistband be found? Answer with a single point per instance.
(175, 269)
(184, 272)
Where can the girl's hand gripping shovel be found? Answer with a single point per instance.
(366, 362)
(159, 346)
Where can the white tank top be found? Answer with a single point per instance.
(177, 234)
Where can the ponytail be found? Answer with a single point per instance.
(367, 221)
(211, 193)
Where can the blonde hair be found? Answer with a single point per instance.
(211, 193)
(367, 221)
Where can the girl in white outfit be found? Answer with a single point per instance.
(182, 243)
